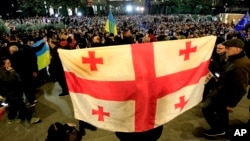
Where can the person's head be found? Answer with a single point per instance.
(233, 47)
(96, 39)
(220, 49)
(13, 38)
(5, 62)
(111, 35)
(56, 132)
(150, 31)
(127, 33)
(52, 42)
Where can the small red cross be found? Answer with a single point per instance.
(182, 103)
(100, 113)
(92, 61)
(187, 51)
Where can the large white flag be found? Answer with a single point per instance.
(134, 88)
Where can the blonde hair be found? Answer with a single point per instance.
(13, 49)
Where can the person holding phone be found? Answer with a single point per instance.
(11, 88)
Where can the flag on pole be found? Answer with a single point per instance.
(134, 88)
(43, 56)
(110, 25)
(245, 20)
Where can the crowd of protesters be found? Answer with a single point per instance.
(87, 32)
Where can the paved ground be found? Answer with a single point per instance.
(52, 108)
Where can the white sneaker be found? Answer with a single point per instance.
(30, 105)
(10, 121)
(18, 120)
(34, 120)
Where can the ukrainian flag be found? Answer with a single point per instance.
(43, 56)
(110, 25)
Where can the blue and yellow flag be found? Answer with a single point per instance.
(110, 25)
(245, 20)
(43, 56)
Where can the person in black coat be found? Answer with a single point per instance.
(127, 37)
(24, 62)
(216, 67)
(55, 68)
(228, 90)
(11, 88)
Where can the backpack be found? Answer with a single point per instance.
(73, 135)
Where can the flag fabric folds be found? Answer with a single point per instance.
(110, 25)
(43, 56)
(134, 88)
(245, 20)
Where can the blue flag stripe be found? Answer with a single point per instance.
(243, 22)
(43, 50)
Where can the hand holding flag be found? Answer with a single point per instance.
(110, 25)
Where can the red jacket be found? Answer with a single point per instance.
(152, 38)
(64, 44)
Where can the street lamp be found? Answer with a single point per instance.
(225, 7)
(58, 10)
(45, 6)
(139, 9)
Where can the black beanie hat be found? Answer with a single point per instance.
(234, 43)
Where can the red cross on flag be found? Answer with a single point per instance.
(134, 88)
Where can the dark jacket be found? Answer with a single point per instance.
(127, 40)
(150, 135)
(10, 85)
(24, 61)
(217, 64)
(55, 66)
(232, 86)
(60, 132)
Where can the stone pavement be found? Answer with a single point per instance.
(51, 108)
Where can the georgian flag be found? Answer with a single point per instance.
(134, 88)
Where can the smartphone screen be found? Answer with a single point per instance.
(4, 104)
(217, 74)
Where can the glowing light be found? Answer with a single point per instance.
(79, 14)
(129, 8)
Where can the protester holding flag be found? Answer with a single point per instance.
(55, 67)
(110, 25)
(228, 90)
